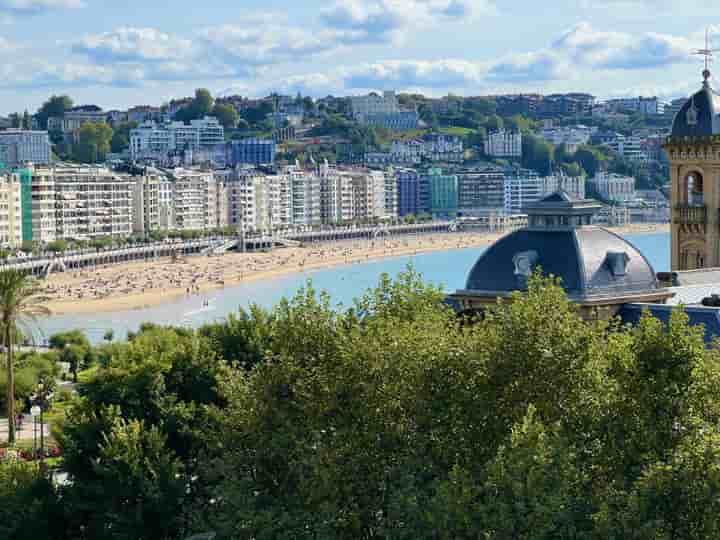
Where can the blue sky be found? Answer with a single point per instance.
(116, 53)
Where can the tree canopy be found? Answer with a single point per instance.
(394, 418)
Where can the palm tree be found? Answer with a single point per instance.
(20, 304)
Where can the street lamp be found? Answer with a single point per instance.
(40, 401)
(35, 412)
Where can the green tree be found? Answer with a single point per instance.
(93, 142)
(55, 106)
(139, 483)
(20, 305)
(589, 159)
(201, 106)
(494, 123)
(167, 380)
(226, 115)
(30, 506)
(537, 154)
(121, 137)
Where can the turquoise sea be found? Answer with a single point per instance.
(448, 268)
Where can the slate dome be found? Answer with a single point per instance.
(592, 262)
(699, 116)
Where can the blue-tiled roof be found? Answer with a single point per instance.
(707, 316)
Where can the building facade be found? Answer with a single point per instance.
(443, 194)
(80, 202)
(693, 149)
(613, 187)
(151, 140)
(413, 191)
(11, 212)
(252, 152)
(21, 147)
(503, 143)
(480, 191)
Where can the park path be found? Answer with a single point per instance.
(23, 432)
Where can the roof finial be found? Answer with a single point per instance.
(708, 53)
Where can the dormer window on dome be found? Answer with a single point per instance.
(617, 263)
(525, 264)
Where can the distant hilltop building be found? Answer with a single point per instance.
(383, 111)
(648, 106)
(75, 118)
(153, 140)
(504, 143)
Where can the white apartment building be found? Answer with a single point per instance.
(629, 147)
(200, 201)
(306, 196)
(571, 136)
(370, 199)
(365, 106)
(527, 187)
(152, 140)
(10, 211)
(240, 188)
(649, 106)
(153, 204)
(336, 190)
(80, 202)
(19, 147)
(436, 148)
(614, 187)
(523, 189)
(503, 143)
(273, 203)
(391, 195)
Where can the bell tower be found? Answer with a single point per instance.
(693, 149)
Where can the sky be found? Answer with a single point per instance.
(119, 53)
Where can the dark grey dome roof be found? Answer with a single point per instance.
(699, 116)
(591, 261)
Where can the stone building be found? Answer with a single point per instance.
(693, 149)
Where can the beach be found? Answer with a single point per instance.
(138, 285)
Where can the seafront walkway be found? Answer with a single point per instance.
(44, 265)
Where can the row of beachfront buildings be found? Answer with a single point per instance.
(79, 202)
(42, 204)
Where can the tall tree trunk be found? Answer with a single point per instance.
(10, 386)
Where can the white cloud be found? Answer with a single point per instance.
(129, 44)
(382, 21)
(267, 44)
(616, 50)
(414, 74)
(33, 7)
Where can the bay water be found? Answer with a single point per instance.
(449, 269)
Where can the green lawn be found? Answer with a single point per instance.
(458, 131)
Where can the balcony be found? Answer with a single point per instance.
(690, 215)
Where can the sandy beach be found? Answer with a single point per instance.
(145, 284)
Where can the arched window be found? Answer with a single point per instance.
(694, 183)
